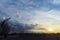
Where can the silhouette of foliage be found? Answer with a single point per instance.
(4, 27)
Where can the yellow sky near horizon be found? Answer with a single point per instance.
(49, 27)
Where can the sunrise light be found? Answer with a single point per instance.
(50, 30)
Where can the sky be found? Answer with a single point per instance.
(44, 12)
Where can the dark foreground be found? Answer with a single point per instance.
(32, 36)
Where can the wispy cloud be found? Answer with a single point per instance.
(56, 2)
(31, 11)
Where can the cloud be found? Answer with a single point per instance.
(29, 10)
(52, 14)
(55, 2)
(44, 16)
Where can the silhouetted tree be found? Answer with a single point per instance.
(5, 28)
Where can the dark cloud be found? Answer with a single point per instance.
(15, 26)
